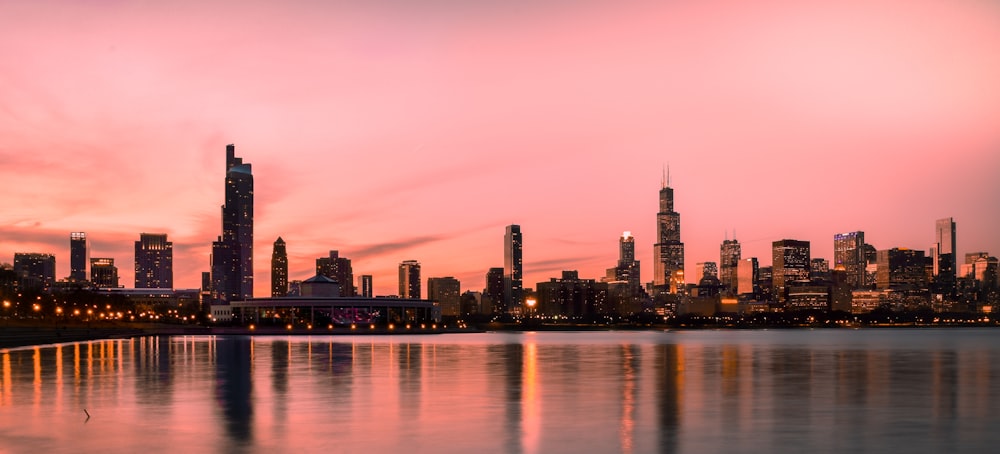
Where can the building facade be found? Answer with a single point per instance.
(513, 269)
(790, 262)
(849, 254)
(729, 259)
(232, 253)
(494, 291)
(339, 269)
(154, 261)
(409, 279)
(78, 256)
(279, 269)
(103, 272)
(34, 270)
(446, 291)
(365, 286)
(668, 251)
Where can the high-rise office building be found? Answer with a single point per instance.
(628, 267)
(901, 269)
(668, 252)
(849, 254)
(232, 253)
(446, 291)
(944, 257)
(339, 269)
(35, 270)
(154, 261)
(78, 256)
(279, 269)
(409, 279)
(790, 262)
(103, 272)
(747, 274)
(512, 268)
(706, 269)
(494, 291)
(365, 286)
(729, 259)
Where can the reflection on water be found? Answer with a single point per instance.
(730, 391)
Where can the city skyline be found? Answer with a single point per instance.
(584, 104)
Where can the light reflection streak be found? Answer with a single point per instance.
(530, 411)
(627, 428)
(37, 366)
(8, 385)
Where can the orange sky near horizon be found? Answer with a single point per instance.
(391, 131)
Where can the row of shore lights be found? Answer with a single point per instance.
(354, 326)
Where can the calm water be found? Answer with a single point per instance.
(890, 390)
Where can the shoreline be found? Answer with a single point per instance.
(37, 335)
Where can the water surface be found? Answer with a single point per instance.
(888, 390)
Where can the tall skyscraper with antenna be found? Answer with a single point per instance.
(232, 253)
(668, 251)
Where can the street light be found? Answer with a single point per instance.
(531, 302)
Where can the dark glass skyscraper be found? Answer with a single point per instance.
(628, 267)
(232, 253)
(512, 268)
(339, 269)
(78, 256)
(279, 269)
(154, 261)
(790, 262)
(494, 290)
(668, 252)
(409, 279)
(944, 256)
(729, 259)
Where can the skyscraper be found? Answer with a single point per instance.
(279, 269)
(365, 286)
(747, 276)
(339, 269)
(790, 262)
(494, 291)
(668, 252)
(628, 267)
(512, 268)
(35, 270)
(409, 279)
(944, 256)
(103, 272)
(154, 261)
(446, 291)
(849, 253)
(78, 256)
(729, 258)
(232, 253)
(901, 269)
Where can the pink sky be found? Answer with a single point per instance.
(391, 131)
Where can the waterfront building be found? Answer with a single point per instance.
(339, 269)
(746, 276)
(409, 279)
(365, 285)
(103, 272)
(34, 270)
(571, 296)
(944, 257)
(154, 261)
(729, 259)
(78, 256)
(493, 294)
(513, 269)
(446, 292)
(901, 269)
(790, 262)
(279, 269)
(471, 302)
(232, 253)
(849, 253)
(668, 251)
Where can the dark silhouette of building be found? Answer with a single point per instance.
(849, 254)
(154, 261)
(668, 252)
(790, 262)
(572, 296)
(279, 269)
(78, 256)
(493, 294)
(628, 267)
(103, 272)
(232, 253)
(729, 259)
(944, 256)
(901, 269)
(366, 286)
(409, 279)
(446, 291)
(339, 269)
(34, 270)
(513, 269)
